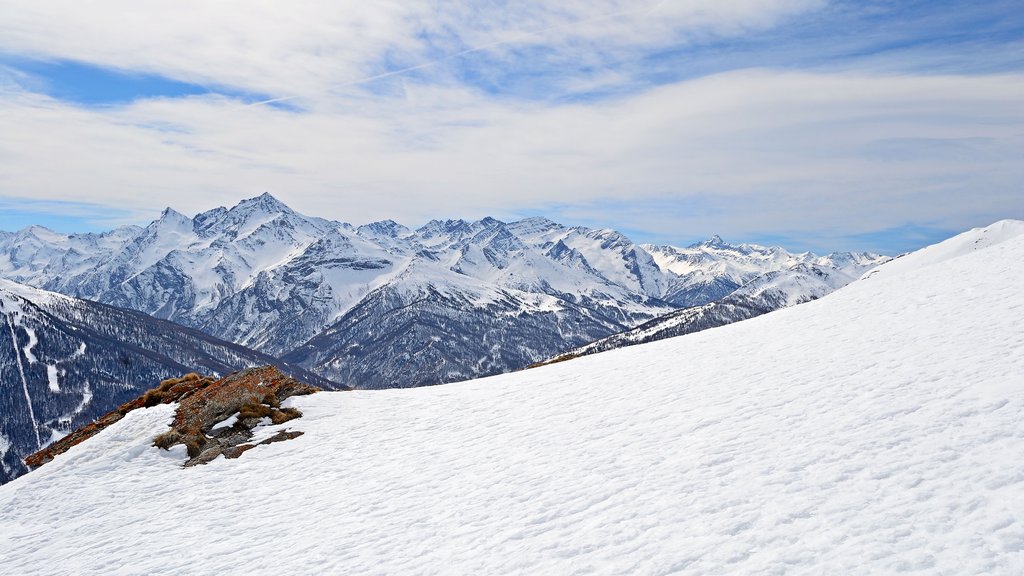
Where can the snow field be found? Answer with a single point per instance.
(876, 430)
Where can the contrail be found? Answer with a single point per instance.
(518, 38)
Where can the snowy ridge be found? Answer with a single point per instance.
(957, 246)
(483, 297)
(878, 430)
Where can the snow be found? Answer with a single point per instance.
(5, 445)
(35, 295)
(877, 430)
(973, 240)
(226, 423)
(32, 341)
(51, 378)
(741, 263)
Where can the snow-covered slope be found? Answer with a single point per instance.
(970, 241)
(382, 305)
(876, 431)
(64, 362)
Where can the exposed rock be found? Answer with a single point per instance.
(236, 451)
(251, 395)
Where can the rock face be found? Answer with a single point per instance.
(382, 305)
(214, 416)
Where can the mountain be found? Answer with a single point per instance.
(712, 269)
(65, 361)
(382, 305)
(763, 294)
(877, 430)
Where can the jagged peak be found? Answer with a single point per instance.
(171, 216)
(265, 201)
(441, 226)
(169, 212)
(489, 221)
(387, 227)
(538, 220)
(207, 219)
(714, 242)
(535, 225)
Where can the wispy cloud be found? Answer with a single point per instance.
(810, 151)
(678, 117)
(314, 50)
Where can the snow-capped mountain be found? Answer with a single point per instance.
(877, 431)
(712, 269)
(65, 361)
(383, 305)
(763, 294)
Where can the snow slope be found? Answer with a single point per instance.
(970, 241)
(876, 430)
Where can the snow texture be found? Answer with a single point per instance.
(877, 430)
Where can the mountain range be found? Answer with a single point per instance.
(768, 292)
(382, 305)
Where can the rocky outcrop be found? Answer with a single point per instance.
(214, 416)
(219, 419)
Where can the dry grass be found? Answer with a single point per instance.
(555, 360)
(167, 439)
(254, 410)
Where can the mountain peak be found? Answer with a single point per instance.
(172, 216)
(388, 228)
(265, 201)
(715, 241)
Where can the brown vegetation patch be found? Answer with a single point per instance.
(555, 360)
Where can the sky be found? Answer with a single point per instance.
(814, 124)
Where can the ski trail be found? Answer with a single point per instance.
(24, 382)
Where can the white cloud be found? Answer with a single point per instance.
(783, 150)
(758, 150)
(313, 49)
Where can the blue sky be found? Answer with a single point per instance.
(812, 124)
